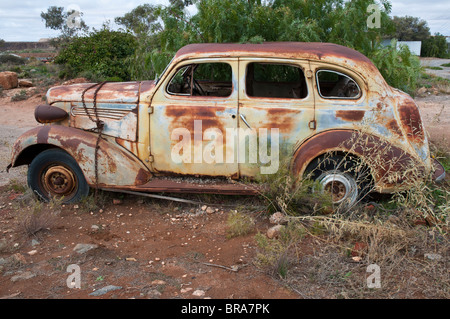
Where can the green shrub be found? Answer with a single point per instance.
(399, 67)
(11, 59)
(101, 54)
(21, 96)
(435, 46)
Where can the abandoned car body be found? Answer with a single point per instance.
(305, 100)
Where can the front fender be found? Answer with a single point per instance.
(116, 166)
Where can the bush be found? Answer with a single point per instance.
(101, 54)
(11, 59)
(399, 67)
(435, 46)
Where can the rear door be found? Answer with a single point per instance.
(275, 95)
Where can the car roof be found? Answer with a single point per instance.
(297, 50)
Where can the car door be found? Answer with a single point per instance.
(275, 95)
(192, 111)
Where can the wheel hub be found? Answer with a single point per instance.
(58, 180)
(339, 186)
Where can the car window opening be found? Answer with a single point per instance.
(272, 80)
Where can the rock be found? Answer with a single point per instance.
(153, 294)
(209, 210)
(432, 256)
(32, 252)
(274, 231)
(277, 218)
(158, 282)
(18, 258)
(422, 90)
(83, 248)
(8, 80)
(23, 276)
(359, 249)
(76, 81)
(3, 245)
(34, 242)
(104, 290)
(198, 293)
(117, 201)
(95, 228)
(204, 207)
(185, 290)
(25, 83)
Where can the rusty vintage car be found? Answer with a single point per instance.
(304, 100)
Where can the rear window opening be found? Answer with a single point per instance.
(337, 85)
(273, 80)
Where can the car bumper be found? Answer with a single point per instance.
(439, 171)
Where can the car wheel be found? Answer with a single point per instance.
(56, 174)
(340, 177)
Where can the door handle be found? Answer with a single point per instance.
(245, 120)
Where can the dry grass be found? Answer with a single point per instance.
(327, 256)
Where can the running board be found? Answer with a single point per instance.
(165, 185)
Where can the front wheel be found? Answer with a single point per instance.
(55, 174)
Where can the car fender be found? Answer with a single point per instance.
(116, 166)
(384, 159)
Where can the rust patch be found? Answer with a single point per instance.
(183, 117)
(411, 121)
(42, 134)
(393, 127)
(142, 177)
(350, 115)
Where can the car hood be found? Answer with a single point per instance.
(110, 92)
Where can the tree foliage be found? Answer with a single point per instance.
(435, 46)
(99, 55)
(57, 19)
(410, 29)
(161, 30)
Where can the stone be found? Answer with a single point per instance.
(277, 218)
(158, 282)
(198, 293)
(117, 201)
(34, 242)
(23, 276)
(25, 83)
(209, 210)
(8, 80)
(432, 256)
(274, 232)
(422, 90)
(104, 290)
(76, 81)
(153, 294)
(359, 249)
(185, 290)
(84, 248)
(3, 245)
(32, 252)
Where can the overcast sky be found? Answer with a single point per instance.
(21, 21)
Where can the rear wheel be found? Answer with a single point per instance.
(55, 174)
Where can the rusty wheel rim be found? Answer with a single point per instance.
(341, 186)
(59, 181)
